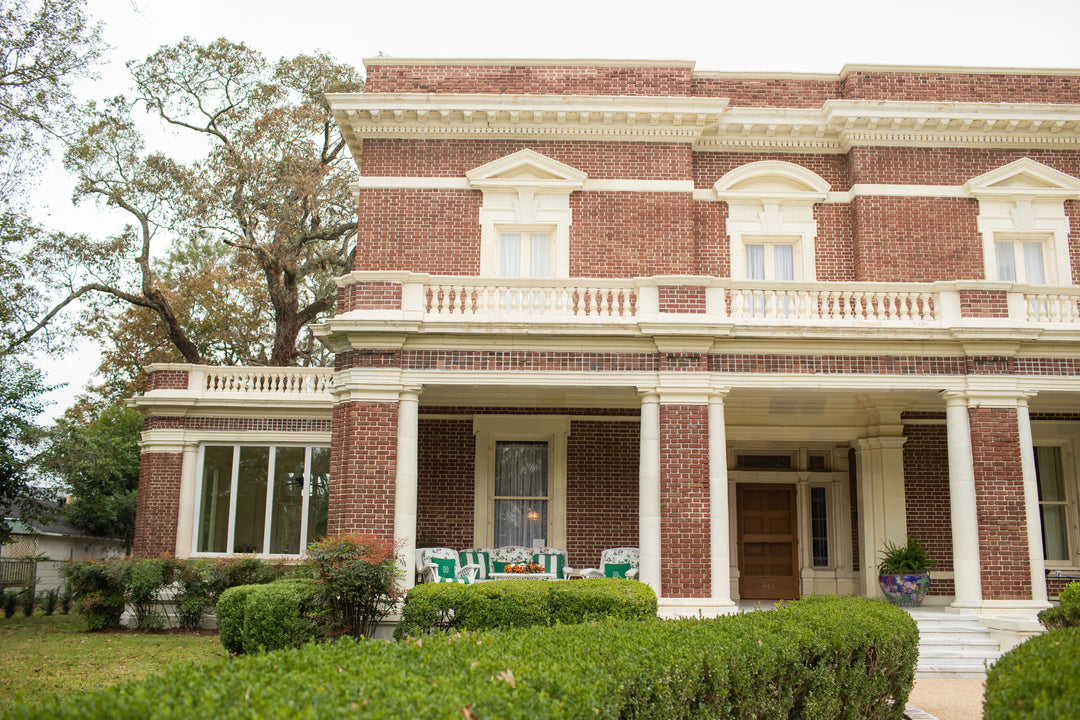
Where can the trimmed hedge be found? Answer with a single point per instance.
(444, 607)
(1036, 680)
(283, 614)
(1067, 613)
(820, 658)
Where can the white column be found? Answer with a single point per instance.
(882, 503)
(185, 525)
(405, 481)
(965, 527)
(649, 492)
(718, 501)
(1031, 505)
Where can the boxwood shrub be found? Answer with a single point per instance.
(285, 613)
(1034, 681)
(828, 658)
(443, 607)
(1067, 612)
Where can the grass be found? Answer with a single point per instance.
(42, 655)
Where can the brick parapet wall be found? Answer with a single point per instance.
(768, 92)
(167, 380)
(684, 501)
(926, 495)
(363, 467)
(999, 492)
(524, 79)
(998, 87)
(369, 296)
(984, 303)
(682, 299)
(158, 504)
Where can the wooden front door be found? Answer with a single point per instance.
(768, 552)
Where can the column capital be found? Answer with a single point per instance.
(648, 395)
(718, 394)
(410, 392)
(987, 397)
(884, 442)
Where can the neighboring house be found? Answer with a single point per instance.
(48, 544)
(755, 324)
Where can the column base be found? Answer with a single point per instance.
(669, 608)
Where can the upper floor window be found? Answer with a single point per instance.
(1025, 232)
(525, 220)
(771, 222)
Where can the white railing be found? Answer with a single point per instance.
(272, 380)
(761, 301)
(1052, 307)
(529, 297)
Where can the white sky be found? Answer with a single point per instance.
(719, 35)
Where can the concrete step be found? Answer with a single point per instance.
(952, 646)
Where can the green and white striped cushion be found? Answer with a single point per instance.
(474, 557)
(552, 562)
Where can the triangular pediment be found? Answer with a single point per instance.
(1024, 178)
(526, 169)
(772, 179)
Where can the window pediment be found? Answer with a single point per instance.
(1024, 178)
(773, 180)
(526, 169)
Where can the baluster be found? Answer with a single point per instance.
(607, 302)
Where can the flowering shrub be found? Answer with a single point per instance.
(358, 575)
(524, 568)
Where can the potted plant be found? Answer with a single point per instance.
(904, 572)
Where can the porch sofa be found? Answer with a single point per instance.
(481, 562)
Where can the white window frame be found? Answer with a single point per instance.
(234, 480)
(1066, 436)
(1025, 200)
(524, 190)
(528, 235)
(771, 201)
(1019, 262)
(489, 429)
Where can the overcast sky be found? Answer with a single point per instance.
(719, 35)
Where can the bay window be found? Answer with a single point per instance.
(262, 499)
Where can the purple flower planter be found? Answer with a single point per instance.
(905, 590)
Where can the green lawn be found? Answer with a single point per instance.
(42, 655)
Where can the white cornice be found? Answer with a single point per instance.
(708, 124)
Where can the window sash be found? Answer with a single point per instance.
(525, 255)
(266, 505)
(1053, 503)
(1021, 261)
(521, 494)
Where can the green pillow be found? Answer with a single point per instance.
(617, 570)
(445, 567)
(498, 566)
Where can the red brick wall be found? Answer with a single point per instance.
(684, 501)
(600, 160)
(957, 87)
(529, 80)
(916, 239)
(926, 495)
(768, 92)
(446, 483)
(369, 296)
(945, 166)
(681, 299)
(712, 247)
(984, 303)
(999, 493)
(833, 247)
(363, 464)
(621, 234)
(158, 506)
(432, 231)
(167, 380)
(601, 489)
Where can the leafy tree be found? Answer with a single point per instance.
(254, 228)
(97, 461)
(21, 391)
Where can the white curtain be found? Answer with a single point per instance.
(1033, 263)
(1006, 261)
(1051, 482)
(784, 259)
(521, 482)
(540, 255)
(510, 255)
(755, 262)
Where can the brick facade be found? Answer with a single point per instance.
(926, 494)
(684, 501)
(158, 504)
(999, 490)
(363, 468)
